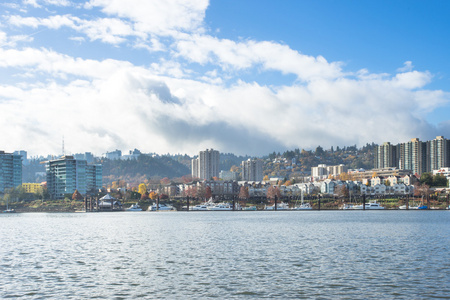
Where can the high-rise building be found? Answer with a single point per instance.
(67, 174)
(252, 170)
(386, 156)
(439, 153)
(94, 177)
(10, 170)
(417, 156)
(206, 165)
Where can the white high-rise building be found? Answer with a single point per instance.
(206, 165)
(252, 170)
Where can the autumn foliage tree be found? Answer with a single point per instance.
(208, 192)
(77, 196)
(144, 196)
(153, 195)
(243, 193)
(273, 191)
(142, 189)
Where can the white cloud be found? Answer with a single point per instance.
(158, 17)
(407, 67)
(189, 94)
(204, 49)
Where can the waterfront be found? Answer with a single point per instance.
(305, 254)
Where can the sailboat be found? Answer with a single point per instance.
(302, 206)
(8, 210)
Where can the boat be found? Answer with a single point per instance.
(134, 207)
(253, 207)
(370, 205)
(303, 206)
(348, 206)
(410, 207)
(220, 206)
(161, 207)
(280, 206)
(8, 210)
(203, 206)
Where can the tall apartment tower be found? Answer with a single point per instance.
(439, 152)
(10, 170)
(252, 170)
(206, 165)
(67, 174)
(386, 156)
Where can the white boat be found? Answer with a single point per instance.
(161, 207)
(8, 210)
(370, 205)
(303, 206)
(280, 206)
(203, 206)
(410, 207)
(348, 206)
(253, 207)
(221, 206)
(134, 207)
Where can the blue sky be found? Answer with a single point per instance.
(248, 77)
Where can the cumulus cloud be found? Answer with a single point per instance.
(189, 94)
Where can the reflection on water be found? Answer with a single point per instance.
(303, 254)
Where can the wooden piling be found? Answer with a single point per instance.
(364, 202)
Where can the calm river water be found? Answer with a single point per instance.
(189, 255)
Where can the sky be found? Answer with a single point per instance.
(247, 77)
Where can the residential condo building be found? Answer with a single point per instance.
(417, 156)
(252, 170)
(322, 171)
(10, 171)
(206, 165)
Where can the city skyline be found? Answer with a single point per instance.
(243, 77)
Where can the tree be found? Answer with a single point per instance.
(77, 196)
(266, 178)
(191, 191)
(153, 195)
(243, 193)
(440, 180)
(208, 193)
(319, 151)
(342, 191)
(421, 190)
(142, 189)
(273, 191)
(145, 196)
(426, 178)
